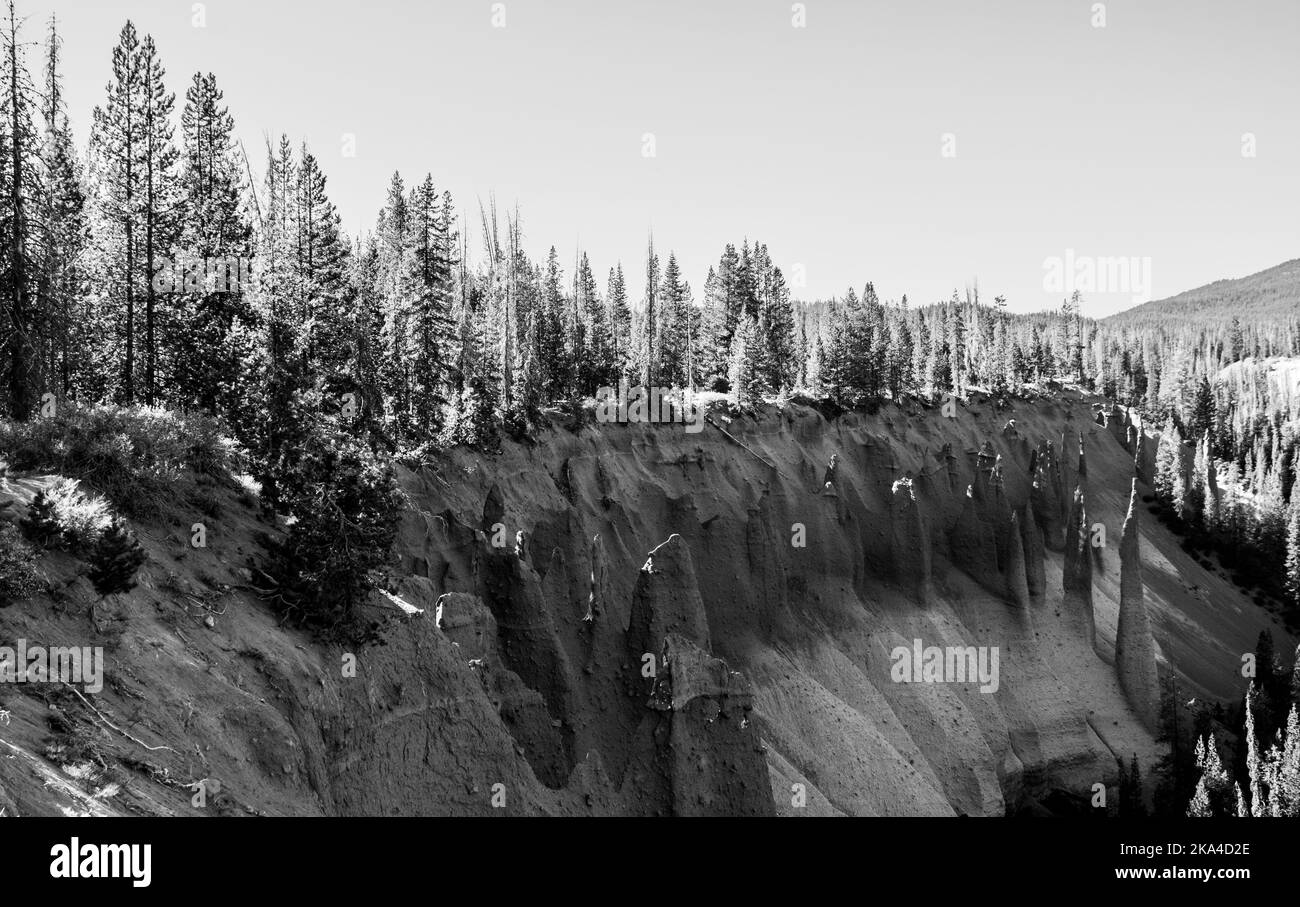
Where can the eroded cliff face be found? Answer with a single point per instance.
(632, 619)
(797, 580)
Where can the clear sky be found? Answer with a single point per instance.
(824, 141)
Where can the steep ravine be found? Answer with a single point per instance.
(811, 628)
(553, 576)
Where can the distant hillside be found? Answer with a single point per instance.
(1274, 293)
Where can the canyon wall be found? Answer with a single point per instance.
(636, 619)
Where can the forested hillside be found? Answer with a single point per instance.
(1270, 294)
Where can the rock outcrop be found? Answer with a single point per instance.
(1077, 572)
(1031, 539)
(974, 546)
(1116, 420)
(700, 753)
(1135, 656)
(1017, 579)
(471, 628)
(1069, 462)
(1144, 458)
(1045, 496)
(666, 600)
(717, 767)
(910, 544)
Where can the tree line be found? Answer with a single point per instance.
(158, 270)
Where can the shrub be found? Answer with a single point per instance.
(82, 518)
(132, 455)
(18, 577)
(41, 525)
(344, 507)
(115, 560)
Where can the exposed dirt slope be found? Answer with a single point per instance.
(525, 692)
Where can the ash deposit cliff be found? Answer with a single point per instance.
(632, 619)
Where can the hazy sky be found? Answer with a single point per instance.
(825, 142)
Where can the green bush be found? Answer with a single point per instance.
(18, 577)
(344, 506)
(82, 517)
(133, 455)
(66, 517)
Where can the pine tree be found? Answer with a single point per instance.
(25, 316)
(804, 351)
(393, 236)
(429, 320)
(1201, 422)
(115, 559)
(673, 331)
(620, 322)
(1293, 551)
(817, 367)
(41, 524)
(782, 360)
(1199, 807)
(648, 347)
(1071, 339)
(1001, 375)
(921, 356)
(475, 421)
(159, 202)
(956, 347)
(345, 507)
(723, 308)
(576, 339)
(272, 430)
(450, 275)
(597, 369)
(746, 284)
(844, 371)
(873, 348)
(900, 352)
(500, 315)
(1214, 795)
(71, 325)
(743, 376)
(1259, 805)
(715, 334)
(1170, 484)
(554, 358)
(939, 375)
(1236, 341)
(365, 337)
(133, 160)
(530, 390)
(1286, 779)
(206, 356)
